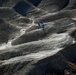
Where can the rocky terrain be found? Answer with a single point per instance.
(26, 49)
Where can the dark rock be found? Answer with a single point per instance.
(4, 37)
(56, 16)
(7, 31)
(23, 7)
(59, 26)
(56, 64)
(11, 3)
(33, 65)
(12, 17)
(36, 13)
(71, 5)
(65, 24)
(52, 6)
(50, 43)
(67, 53)
(34, 2)
(36, 51)
(3, 25)
(9, 15)
(1, 2)
(34, 35)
